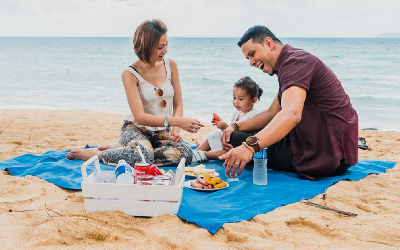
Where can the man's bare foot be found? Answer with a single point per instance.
(102, 148)
(83, 154)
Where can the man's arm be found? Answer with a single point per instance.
(262, 119)
(285, 120)
(256, 123)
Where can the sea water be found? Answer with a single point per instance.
(85, 74)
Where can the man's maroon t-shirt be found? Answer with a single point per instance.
(328, 130)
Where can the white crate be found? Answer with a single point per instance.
(137, 200)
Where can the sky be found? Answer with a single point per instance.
(199, 18)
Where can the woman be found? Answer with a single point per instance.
(154, 95)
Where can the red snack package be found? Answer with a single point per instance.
(155, 171)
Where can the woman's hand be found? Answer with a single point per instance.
(188, 124)
(175, 137)
(226, 136)
(221, 125)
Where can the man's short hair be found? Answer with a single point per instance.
(147, 37)
(258, 33)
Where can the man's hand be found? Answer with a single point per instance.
(235, 159)
(226, 135)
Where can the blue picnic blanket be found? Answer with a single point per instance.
(242, 200)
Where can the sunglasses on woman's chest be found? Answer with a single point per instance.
(160, 93)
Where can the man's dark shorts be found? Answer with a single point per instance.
(280, 154)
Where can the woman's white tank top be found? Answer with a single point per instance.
(152, 102)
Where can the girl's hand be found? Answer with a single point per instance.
(175, 137)
(221, 125)
(188, 124)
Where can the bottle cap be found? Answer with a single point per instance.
(262, 154)
(121, 162)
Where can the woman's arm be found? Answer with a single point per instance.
(141, 117)
(178, 103)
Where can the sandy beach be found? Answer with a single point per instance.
(36, 214)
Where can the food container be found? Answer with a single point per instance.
(145, 179)
(137, 200)
(162, 180)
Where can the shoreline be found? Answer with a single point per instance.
(375, 199)
(92, 128)
(124, 114)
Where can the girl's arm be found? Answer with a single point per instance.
(221, 125)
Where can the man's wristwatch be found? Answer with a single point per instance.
(252, 141)
(166, 123)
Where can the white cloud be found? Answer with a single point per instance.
(287, 18)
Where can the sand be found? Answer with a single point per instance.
(36, 214)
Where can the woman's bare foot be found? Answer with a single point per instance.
(101, 148)
(83, 154)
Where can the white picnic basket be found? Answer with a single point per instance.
(137, 200)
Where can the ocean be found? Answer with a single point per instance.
(85, 74)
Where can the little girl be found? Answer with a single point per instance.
(245, 94)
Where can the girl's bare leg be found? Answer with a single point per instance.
(204, 146)
(213, 155)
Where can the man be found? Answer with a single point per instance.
(310, 128)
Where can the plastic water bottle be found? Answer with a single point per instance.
(260, 174)
(123, 173)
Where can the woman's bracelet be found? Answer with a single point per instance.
(249, 147)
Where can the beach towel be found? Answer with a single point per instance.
(242, 200)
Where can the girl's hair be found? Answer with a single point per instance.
(250, 86)
(146, 38)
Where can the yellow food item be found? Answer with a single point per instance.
(220, 185)
(207, 177)
(212, 182)
(162, 171)
(217, 179)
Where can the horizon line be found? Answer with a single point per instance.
(355, 37)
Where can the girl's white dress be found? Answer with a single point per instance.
(214, 138)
